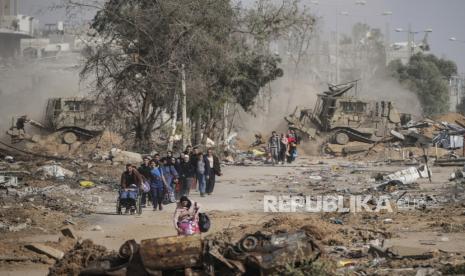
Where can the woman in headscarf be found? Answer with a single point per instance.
(186, 217)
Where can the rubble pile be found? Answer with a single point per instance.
(96, 148)
(79, 257)
(38, 195)
(269, 247)
(444, 134)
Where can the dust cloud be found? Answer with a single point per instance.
(26, 87)
(278, 100)
(389, 89)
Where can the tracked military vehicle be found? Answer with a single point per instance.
(76, 118)
(344, 118)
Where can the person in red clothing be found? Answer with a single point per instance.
(292, 145)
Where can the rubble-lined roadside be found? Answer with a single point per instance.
(422, 235)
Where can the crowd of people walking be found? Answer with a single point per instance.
(163, 180)
(168, 178)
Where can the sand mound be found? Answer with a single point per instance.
(452, 118)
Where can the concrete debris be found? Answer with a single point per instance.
(123, 157)
(54, 171)
(410, 175)
(265, 252)
(46, 250)
(69, 232)
(18, 227)
(8, 181)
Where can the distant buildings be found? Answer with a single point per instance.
(456, 92)
(14, 27)
(21, 37)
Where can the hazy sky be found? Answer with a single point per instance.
(445, 17)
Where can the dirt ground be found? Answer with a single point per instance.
(238, 199)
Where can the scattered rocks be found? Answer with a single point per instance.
(17, 227)
(96, 228)
(69, 232)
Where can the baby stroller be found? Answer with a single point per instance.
(130, 199)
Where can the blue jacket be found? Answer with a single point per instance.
(156, 181)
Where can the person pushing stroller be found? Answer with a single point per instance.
(131, 181)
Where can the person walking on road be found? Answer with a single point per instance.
(193, 157)
(130, 179)
(202, 173)
(274, 146)
(213, 169)
(187, 175)
(284, 147)
(145, 171)
(169, 173)
(157, 185)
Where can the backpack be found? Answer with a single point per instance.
(204, 222)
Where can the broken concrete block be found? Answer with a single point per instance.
(69, 232)
(54, 171)
(125, 157)
(46, 250)
(8, 181)
(36, 138)
(406, 252)
(17, 227)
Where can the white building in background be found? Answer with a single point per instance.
(14, 27)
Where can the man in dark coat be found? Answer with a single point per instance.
(145, 171)
(213, 169)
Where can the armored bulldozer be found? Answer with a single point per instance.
(347, 118)
(76, 118)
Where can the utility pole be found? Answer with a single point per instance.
(184, 108)
(411, 41)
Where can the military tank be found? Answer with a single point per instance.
(76, 118)
(344, 118)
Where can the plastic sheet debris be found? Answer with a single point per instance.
(87, 184)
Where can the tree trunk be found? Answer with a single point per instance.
(143, 137)
(185, 141)
(198, 131)
(174, 119)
